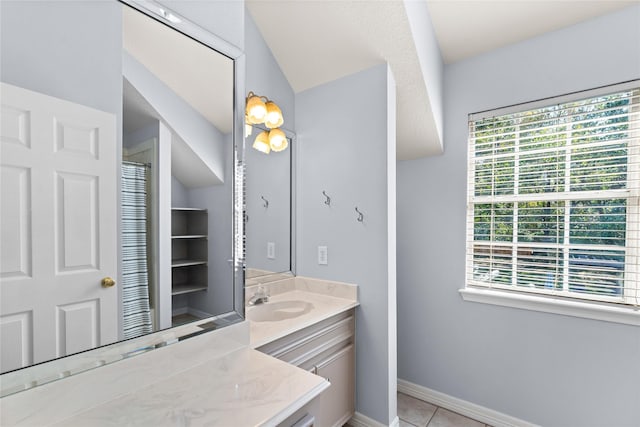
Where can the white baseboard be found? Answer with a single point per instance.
(189, 310)
(179, 311)
(359, 420)
(199, 313)
(462, 407)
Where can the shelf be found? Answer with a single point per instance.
(189, 251)
(189, 222)
(188, 288)
(187, 262)
(189, 209)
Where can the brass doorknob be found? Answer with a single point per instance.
(108, 282)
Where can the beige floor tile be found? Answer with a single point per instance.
(414, 411)
(445, 418)
(403, 423)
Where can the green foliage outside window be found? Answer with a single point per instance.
(565, 149)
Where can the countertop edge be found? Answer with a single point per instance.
(299, 403)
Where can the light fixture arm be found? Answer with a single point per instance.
(262, 97)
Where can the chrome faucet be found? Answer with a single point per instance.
(260, 297)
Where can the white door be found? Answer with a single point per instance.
(58, 213)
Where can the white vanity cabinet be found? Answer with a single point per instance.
(326, 349)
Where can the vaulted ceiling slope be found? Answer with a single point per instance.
(316, 41)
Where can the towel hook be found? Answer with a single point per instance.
(328, 201)
(266, 202)
(360, 215)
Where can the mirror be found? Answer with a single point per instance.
(121, 210)
(269, 201)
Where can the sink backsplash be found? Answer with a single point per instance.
(326, 287)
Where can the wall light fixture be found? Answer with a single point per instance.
(260, 110)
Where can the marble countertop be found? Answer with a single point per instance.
(243, 388)
(213, 379)
(326, 299)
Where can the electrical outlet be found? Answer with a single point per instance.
(271, 250)
(323, 255)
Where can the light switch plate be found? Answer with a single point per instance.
(323, 255)
(271, 250)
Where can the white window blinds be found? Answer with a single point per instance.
(553, 197)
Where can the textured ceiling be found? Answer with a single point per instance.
(471, 27)
(316, 41)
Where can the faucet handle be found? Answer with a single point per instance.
(261, 292)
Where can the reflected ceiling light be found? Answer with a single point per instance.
(260, 110)
(256, 110)
(170, 16)
(262, 142)
(274, 117)
(277, 140)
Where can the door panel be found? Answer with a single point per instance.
(59, 227)
(15, 126)
(16, 340)
(15, 247)
(77, 236)
(76, 139)
(337, 402)
(77, 327)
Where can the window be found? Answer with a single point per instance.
(553, 195)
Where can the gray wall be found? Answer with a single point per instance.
(548, 369)
(41, 50)
(218, 200)
(346, 140)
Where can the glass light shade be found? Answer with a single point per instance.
(274, 117)
(277, 140)
(261, 142)
(256, 110)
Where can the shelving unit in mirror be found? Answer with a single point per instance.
(189, 250)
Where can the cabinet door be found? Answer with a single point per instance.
(337, 402)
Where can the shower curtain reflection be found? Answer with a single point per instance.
(136, 308)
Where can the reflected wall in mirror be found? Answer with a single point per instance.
(269, 204)
(118, 173)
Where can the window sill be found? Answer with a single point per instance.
(589, 310)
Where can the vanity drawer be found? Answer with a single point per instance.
(300, 346)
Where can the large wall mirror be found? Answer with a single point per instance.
(270, 219)
(122, 184)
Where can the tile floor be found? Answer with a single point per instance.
(417, 413)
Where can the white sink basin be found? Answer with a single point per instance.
(281, 310)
